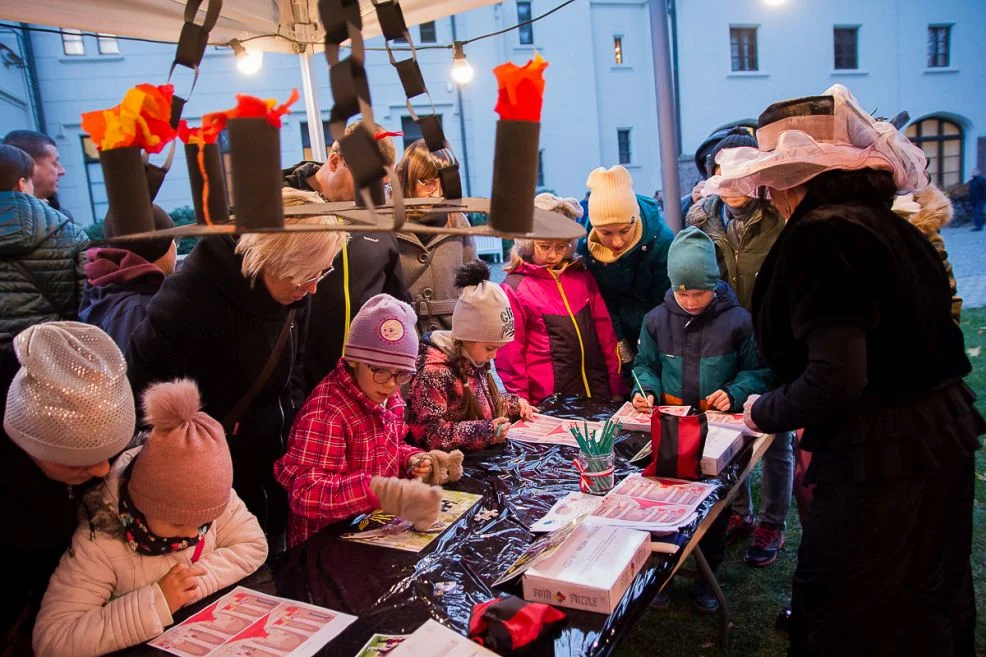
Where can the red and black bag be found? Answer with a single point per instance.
(677, 443)
(509, 626)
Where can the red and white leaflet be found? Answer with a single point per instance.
(634, 420)
(245, 622)
(652, 504)
(730, 421)
(545, 429)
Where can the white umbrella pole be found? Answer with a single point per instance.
(315, 133)
(665, 113)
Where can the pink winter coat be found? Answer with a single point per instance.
(104, 596)
(564, 340)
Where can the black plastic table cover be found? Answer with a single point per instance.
(394, 592)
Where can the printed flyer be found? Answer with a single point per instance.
(401, 535)
(381, 645)
(634, 420)
(548, 430)
(245, 622)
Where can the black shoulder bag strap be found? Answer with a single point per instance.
(232, 423)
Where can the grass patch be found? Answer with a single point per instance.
(756, 595)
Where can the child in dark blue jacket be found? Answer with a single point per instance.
(697, 349)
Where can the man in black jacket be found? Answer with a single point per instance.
(369, 264)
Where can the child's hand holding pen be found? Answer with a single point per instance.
(642, 403)
(501, 426)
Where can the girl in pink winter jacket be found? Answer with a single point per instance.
(564, 340)
(164, 530)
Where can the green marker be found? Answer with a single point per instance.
(642, 393)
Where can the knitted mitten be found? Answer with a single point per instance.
(412, 500)
(446, 467)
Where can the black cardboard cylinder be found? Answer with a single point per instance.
(218, 208)
(515, 169)
(126, 191)
(255, 163)
(378, 195)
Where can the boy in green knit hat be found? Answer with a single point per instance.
(697, 349)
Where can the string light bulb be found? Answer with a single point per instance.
(247, 61)
(461, 68)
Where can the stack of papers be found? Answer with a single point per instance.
(545, 429)
(634, 420)
(657, 505)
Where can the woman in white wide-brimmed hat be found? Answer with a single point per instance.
(851, 311)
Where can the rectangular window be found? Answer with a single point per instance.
(846, 41)
(412, 132)
(618, 48)
(428, 32)
(306, 139)
(623, 143)
(72, 42)
(108, 44)
(540, 179)
(743, 47)
(525, 32)
(939, 46)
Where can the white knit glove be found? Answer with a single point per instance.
(416, 502)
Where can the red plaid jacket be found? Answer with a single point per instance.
(340, 440)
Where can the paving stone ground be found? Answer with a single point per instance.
(967, 253)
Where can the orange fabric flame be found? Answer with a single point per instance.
(202, 135)
(249, 107)
(520, 90)
(143, 119)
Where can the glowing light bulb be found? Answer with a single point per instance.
(462, 70)
(250, 61)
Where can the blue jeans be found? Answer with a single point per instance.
(776, 486)
(978, 212)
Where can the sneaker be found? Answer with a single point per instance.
(767, 543)
(739, 526)
(662, 600)
(705, 600)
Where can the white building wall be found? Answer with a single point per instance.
(795, 49)
(16, 111)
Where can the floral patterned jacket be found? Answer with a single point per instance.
(436, 400)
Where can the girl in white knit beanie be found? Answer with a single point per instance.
(454, 401)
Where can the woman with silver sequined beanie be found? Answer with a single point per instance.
(70, 406)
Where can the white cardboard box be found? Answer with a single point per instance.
(591, 570)
(721, 445)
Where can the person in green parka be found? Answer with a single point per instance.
(743, 229)
(626, 251)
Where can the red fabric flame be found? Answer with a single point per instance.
(521, 90)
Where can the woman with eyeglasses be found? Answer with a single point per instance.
(235, 318)
(429, 262)
(346, 453)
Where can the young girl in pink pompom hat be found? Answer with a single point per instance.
(164, 530)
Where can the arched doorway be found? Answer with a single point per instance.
(942, 143)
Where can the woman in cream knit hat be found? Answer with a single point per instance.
(626, 251)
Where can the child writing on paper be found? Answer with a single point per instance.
(564, 341)
(164, 530)
(454, 399)
(697, 349)
(346, 452)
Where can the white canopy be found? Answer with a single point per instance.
(239, 19)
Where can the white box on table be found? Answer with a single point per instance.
(721, 446)
(591, 570)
